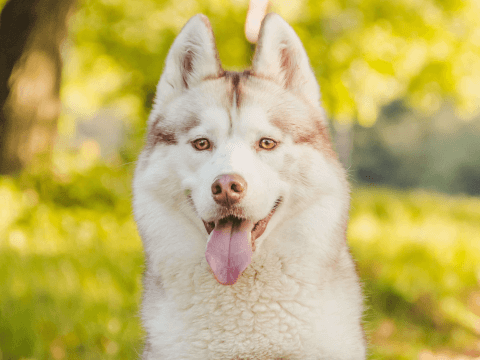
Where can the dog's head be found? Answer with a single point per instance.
(232, 150)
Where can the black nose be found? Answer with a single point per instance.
(228, 189)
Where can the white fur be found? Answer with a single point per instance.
(277, 36)
(300, 297)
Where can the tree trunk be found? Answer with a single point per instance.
(31, 33)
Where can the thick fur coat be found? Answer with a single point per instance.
(244, 161)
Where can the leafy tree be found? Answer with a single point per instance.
(365, 53)
(30, 67)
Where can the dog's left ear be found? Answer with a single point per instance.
(192, 57)
(281, 57)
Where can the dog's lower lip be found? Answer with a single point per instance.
(209, 226)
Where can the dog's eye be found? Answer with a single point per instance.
(201, 144)
(267, 144)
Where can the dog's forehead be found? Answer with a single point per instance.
(215, 118)
(243, 96)
(247, 101)
(253, 117)
(222, 100)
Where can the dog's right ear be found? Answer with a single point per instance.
(281, 56)
(192, 57)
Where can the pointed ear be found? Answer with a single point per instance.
(192, 57)
(281, 57)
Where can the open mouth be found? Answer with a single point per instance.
(231, 244)
(258, 229)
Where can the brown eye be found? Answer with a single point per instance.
(201, 144)
(267, 144)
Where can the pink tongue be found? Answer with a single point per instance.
(229, 249)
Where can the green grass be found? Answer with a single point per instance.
(71, 264)
(419, 255)
(70, 268)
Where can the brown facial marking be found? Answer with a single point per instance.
(165, 137)
(310, 131)
(159, 132)
(237, 78)
(159, 135)
(155, 134)
(214, 76)
(244, 76)
(234, 78)
(260, 76)
(189, 123)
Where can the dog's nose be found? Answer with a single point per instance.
(228, 189)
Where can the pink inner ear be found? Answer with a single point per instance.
(288, 65)
(187, 66)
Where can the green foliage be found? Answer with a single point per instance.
(365, 53)
(418, 254)
(406, 150)
(71, 265)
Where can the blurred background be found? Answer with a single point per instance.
(400, 83)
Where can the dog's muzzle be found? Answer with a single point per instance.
(232, 238)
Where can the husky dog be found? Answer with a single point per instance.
(242, 206)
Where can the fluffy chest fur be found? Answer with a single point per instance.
(270, 313)
(258, 317)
